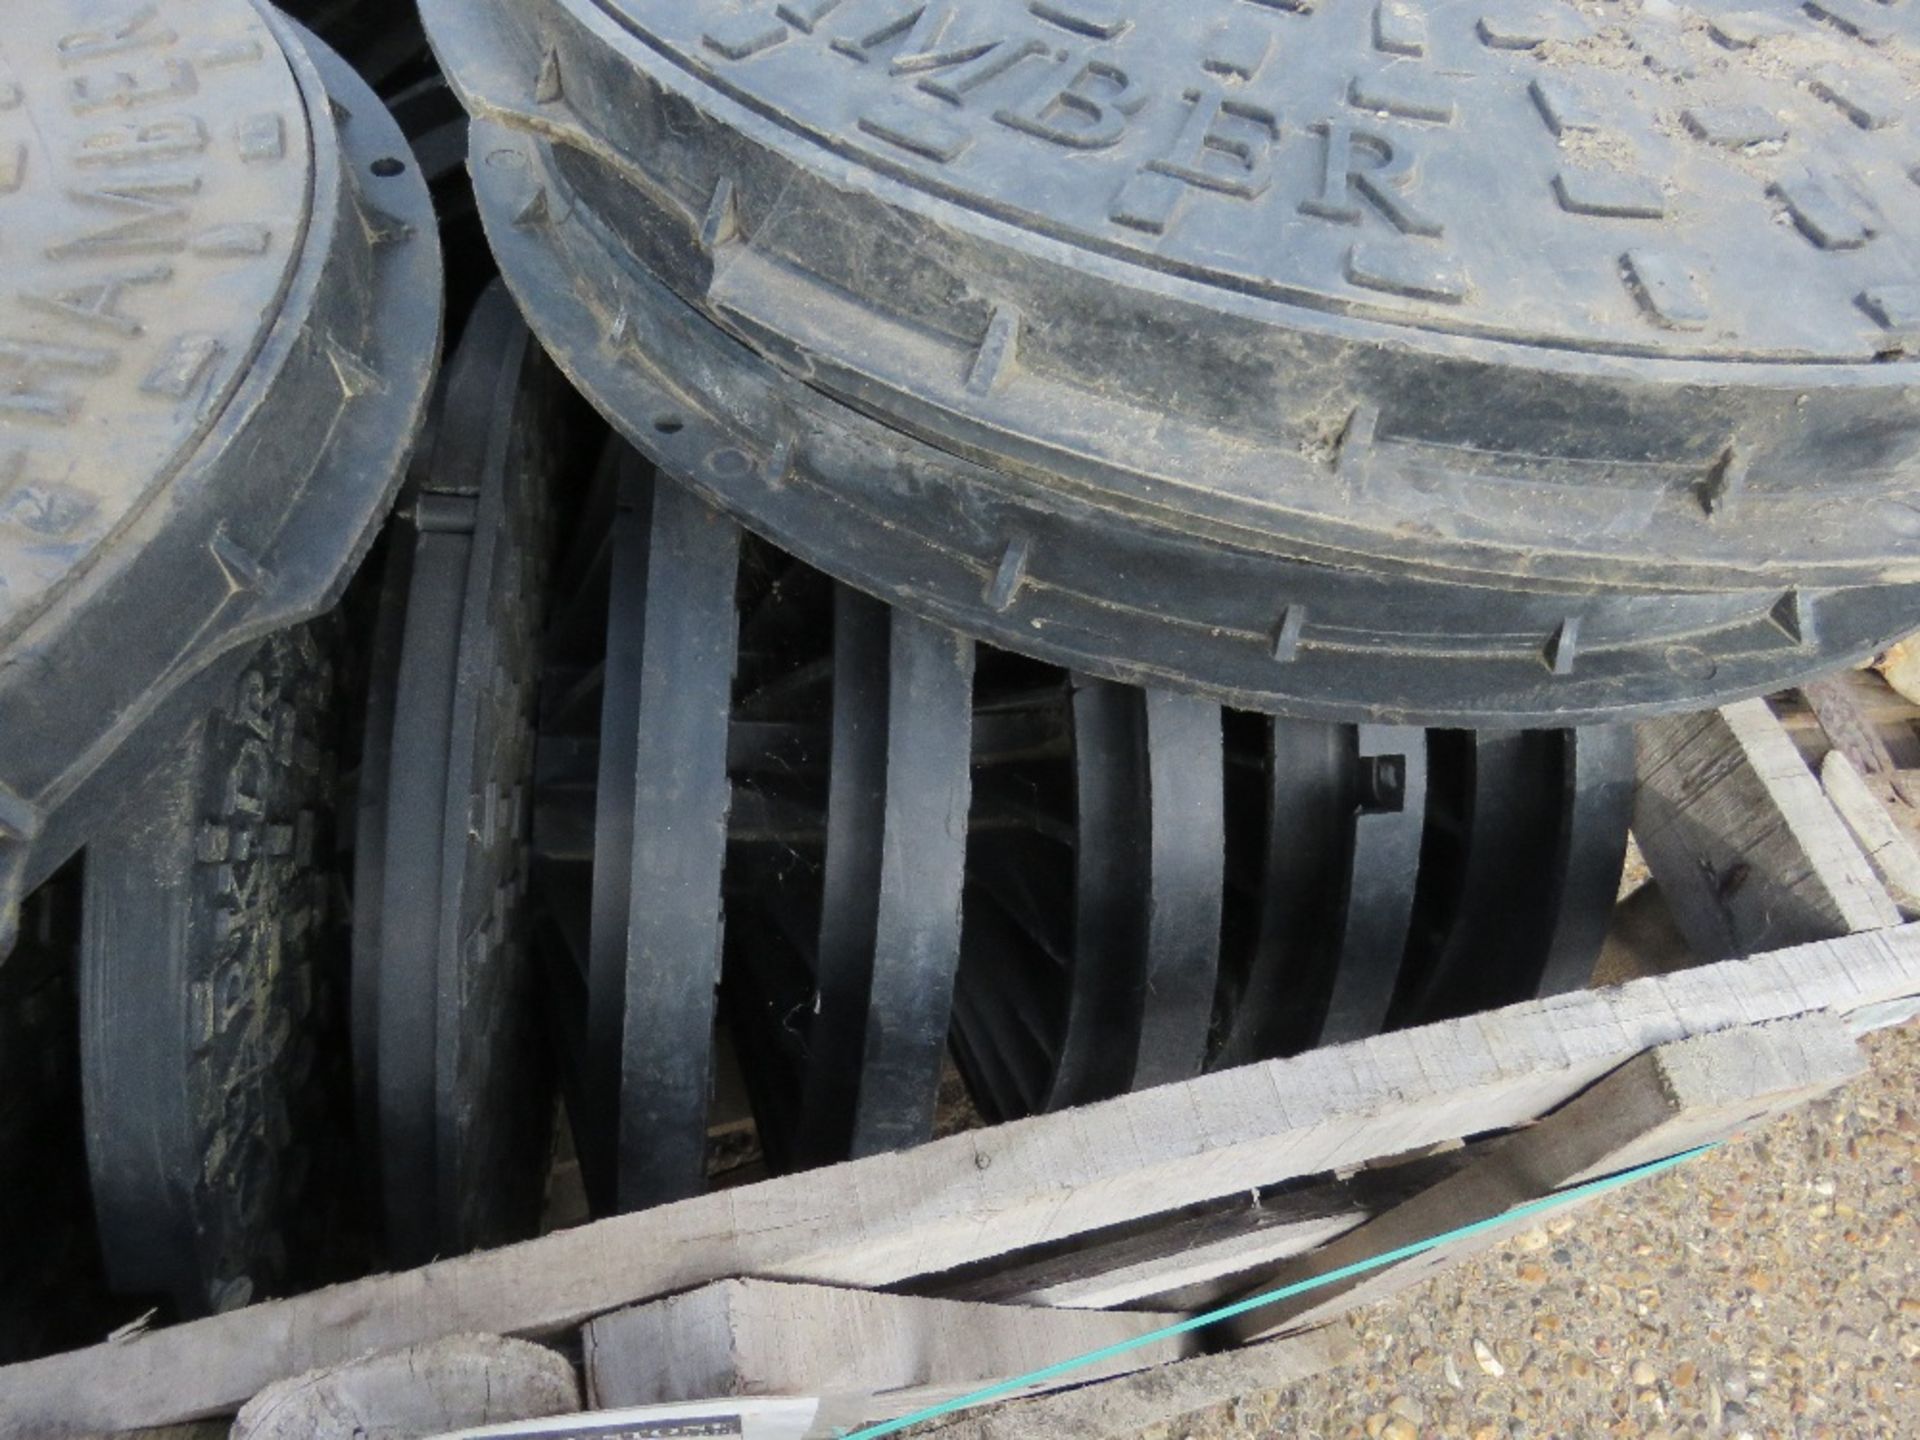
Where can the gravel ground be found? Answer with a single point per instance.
(1769, 1289)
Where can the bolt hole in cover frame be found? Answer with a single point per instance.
(1435, 312)
(216, 341)
(436, 126)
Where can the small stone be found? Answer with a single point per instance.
(1408, 1409)
(1489, 1362)
(1533, 1273)
(1400, 1428)
(1532, 1241)
(1376, 1425)
(1684, 1374)
(1452, 1373)
(1644, 1375)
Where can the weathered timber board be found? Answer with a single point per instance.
(865, 1355)
(972, 1196)
(1662, 1103)
(1744, 843)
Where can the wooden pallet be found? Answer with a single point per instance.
(883, 1282)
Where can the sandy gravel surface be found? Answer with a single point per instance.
(1771, 1289)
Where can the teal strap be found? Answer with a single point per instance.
(1273, 1297)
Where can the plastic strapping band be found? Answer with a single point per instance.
(1273, 1297)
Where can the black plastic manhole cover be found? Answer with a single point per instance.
(1481, 298)
(218, 323)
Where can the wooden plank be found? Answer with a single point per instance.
(1124, 1264)
(1742, 840)
(1189, 1294)
(1127, 1406)
(1662, 1103)
(1833, 700)
(1182, 1252)
(865, 1356)
(879, 1221)
(450, 1384)
(1888, 848)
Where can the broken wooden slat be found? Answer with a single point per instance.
(1180, 1253)
(1663, 1103)
(1844, 720)
(1162, 1253)
(1887, 714)
(865, 1356)
(979, 1194)
(1743, 842)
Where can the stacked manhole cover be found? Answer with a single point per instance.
(223, 304)
(975, 558)
(222, 310)
(1352, 361)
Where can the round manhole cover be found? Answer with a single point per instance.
(219, 310)
(1539, 239)
(1635, 179)
(154, 178)
(1246, 339)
